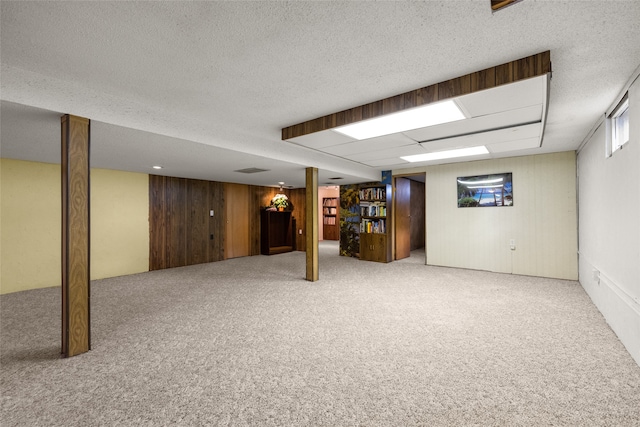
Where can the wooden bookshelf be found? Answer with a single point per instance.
(375, 205)
(331, 218)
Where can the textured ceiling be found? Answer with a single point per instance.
(200, 86)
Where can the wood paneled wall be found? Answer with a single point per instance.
(181, 230)
(417, 214)
(524, 68)
(297, 197)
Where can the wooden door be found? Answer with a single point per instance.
(236, 236)
(417, 215)
(403, 217)
(365, 247)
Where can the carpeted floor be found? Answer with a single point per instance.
(249, 342)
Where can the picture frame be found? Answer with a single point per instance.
(491, 190)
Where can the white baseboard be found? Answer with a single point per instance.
(620, 309)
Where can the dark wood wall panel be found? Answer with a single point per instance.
(454, 87)
(198, 221)
(417, 215)
(504, 74)
(157, 222)
(176, 239)
(483, 79)
(216, 222)
(182, 230)
(298, 199)
(524, 68)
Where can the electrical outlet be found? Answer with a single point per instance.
(512, 244)
(300, 231)
(596, 276)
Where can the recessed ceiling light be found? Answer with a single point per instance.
(157, 167)
(448, 154)
(414, 118)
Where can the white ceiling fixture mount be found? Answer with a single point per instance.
(497, 112)
(405, 120)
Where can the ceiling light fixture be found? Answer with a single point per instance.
(483, 181)
(414, 118)
(448, 154)
(485, 186)
(157, 167)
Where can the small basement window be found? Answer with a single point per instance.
(618, 124)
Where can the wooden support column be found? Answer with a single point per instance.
(311, 222)
(76, 337)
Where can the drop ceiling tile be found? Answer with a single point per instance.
(396, 152)
(512, 96)
(533, 130)
(388, 163)
(492, 121)
(522, 144)
(371, 144)
(323, 139)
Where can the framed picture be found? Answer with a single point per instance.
(485, 190)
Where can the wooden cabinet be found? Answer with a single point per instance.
(276, 233)
(375, 214)
(330, 218)
(374, 247)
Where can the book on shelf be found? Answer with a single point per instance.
(373, 193)
(377, 226)
(330, 202)
(330, 220)
(373, 209)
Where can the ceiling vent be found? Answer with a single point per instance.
(252, 170)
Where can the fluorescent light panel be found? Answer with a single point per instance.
(414, 118)
(483, 181)
(448, 154)
(485, 186)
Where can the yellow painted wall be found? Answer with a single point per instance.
(119, 223)
(30, 224)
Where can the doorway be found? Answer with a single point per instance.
(329, 213)
(410, 207)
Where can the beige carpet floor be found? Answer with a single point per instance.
(248, 342)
